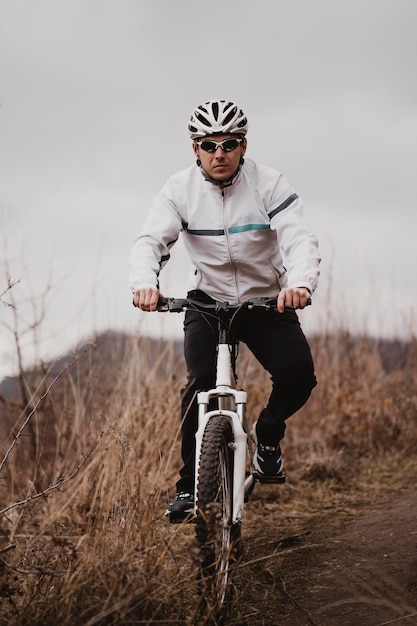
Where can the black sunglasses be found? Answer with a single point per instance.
(211, 146)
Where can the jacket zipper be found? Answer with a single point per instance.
(226, 232)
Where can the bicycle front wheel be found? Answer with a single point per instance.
(217, 536)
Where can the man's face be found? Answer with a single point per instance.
(220, 164)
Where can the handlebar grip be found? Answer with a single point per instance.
(173, 305)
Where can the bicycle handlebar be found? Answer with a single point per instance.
(177, 305)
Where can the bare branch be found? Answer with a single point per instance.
(61, 481)
(11, 546)
(37, 404)
(10, 285)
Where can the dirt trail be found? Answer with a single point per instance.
(364, 575)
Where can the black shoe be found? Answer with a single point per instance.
(268, 459)
(181, 509)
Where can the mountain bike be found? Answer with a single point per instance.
(225, 475)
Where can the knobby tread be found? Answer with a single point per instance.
(219, 541)
(217, 436)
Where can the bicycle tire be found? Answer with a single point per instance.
(219, 539)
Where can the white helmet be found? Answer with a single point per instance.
(217, 117)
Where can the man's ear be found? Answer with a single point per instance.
(195, 148)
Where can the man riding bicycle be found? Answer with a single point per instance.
(246, 234)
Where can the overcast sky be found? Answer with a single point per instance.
(95, 97)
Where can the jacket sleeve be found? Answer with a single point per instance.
(296, 238)
(151, 248)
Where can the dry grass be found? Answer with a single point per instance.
(84, 486)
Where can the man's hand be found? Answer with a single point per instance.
(146, 298)
(296, 297)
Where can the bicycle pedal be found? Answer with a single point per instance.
(277, 479)
(189, 518)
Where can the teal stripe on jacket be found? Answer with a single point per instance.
(233, 229)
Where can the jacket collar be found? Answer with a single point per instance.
(222, 183)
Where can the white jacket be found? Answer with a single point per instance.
(246, 240)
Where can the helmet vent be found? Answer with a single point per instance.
(203, 119)
(230, 115)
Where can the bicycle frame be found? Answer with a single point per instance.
(232, 403)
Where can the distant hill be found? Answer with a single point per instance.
(108, 350)
(106, 354)
(96, 360)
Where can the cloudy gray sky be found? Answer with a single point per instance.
(95, 96)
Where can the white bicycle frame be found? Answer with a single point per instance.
(232, 404)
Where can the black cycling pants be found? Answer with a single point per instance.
(277, 341)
